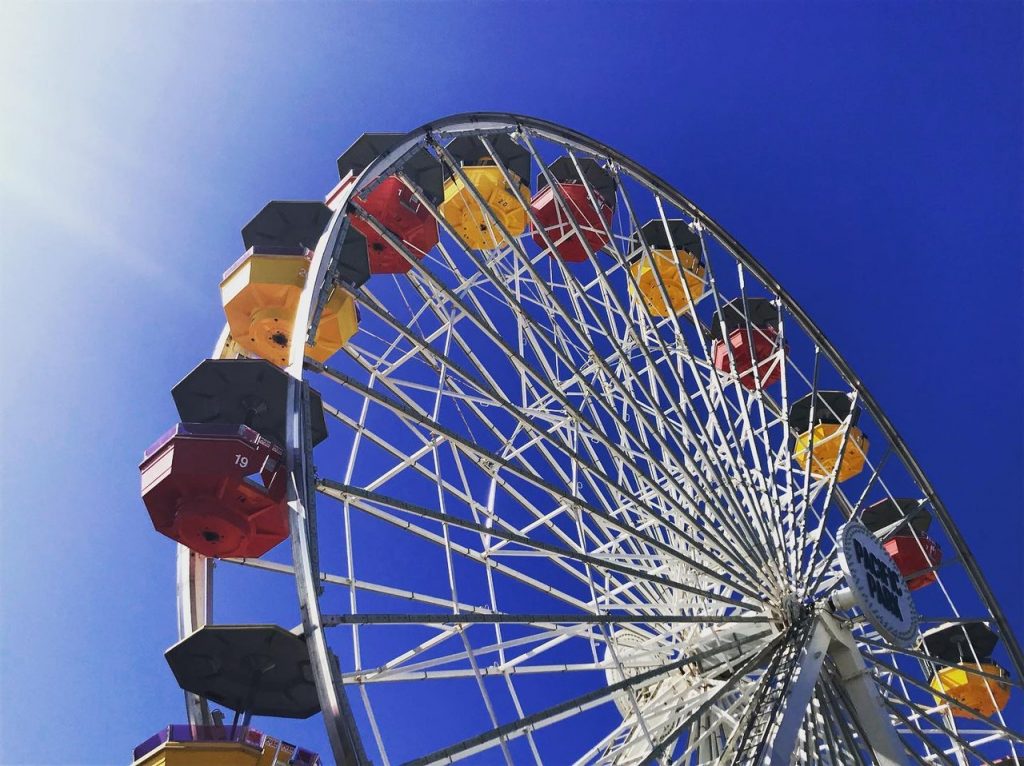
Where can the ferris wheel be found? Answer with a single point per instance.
(568, 478)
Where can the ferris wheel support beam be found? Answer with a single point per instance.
(194, 577)
(830, 638)
(195, 599)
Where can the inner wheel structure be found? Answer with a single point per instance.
(586, 468)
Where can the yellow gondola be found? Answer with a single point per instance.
(683, 279)
(184, 745)
(460, 207)
(965, 649)
(828, 438)
(985, 695)
(835, 421)
(260, 294)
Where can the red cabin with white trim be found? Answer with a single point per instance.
(217, 489)
(745, 334)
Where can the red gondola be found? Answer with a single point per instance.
(914, 552)
(751, 330)
(393, 204)
(552, 216)
(217, 489)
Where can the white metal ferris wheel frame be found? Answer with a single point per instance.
(194, 572)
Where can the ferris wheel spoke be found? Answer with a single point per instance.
(732, 461)
(462, 494)
(473, 450)
(820, 530)
(536, 645)
(788, 531)
(710, 733)
(922, 739)
(971, 671)
(633, 737)
(739, 517)
(488, 704)
(478, 510)
(826, 563)
(608, 293)
(544, 620)
(766, 473)
(485, 511)
(769, 533)
(739, 464)
(841, 718)
(348, 492)
(736, 459)
(665, 745)
(503, 569)
(370, 587)
(800, 521)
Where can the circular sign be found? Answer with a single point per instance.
(876, 584)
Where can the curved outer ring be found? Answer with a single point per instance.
(340, 725)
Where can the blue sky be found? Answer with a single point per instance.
(869, 154)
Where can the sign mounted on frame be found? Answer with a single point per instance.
(876, 585)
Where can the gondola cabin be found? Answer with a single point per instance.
(666, 261)
(745, 340)
(217, 489)
(461, 208)
(967, 674)
(590, 200)
(902, 526)
(260, 294)
(823, 425)
(221, 745)
(393, 204)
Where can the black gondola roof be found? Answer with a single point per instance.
(829, 407)
(888, 511)
(657, 238)
(954, 642)
(739, 312)
(365, 150)
(287, 223)
(250, 392)
(258, 669)
(469, 150)
(422, 168)
(564, 171)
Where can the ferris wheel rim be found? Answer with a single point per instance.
(498, 122)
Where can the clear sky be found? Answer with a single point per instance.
(870, 154)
